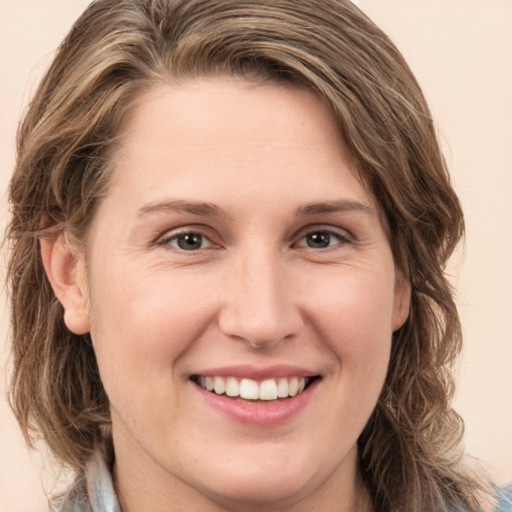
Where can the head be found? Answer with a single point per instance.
(120, 51)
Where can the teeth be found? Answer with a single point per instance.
(209, 385)
(249, 389)
(269, 389)
(282, 388)
(232, 387)
(293, 386)
(219, 385)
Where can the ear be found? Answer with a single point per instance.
(65, 269)
(402, 300)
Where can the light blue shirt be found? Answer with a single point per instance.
(95, 492)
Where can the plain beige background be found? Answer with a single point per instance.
(461, 52)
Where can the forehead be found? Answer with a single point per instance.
(192, 140)
(222, 114)
(232, 105)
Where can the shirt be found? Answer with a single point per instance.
(95, 492)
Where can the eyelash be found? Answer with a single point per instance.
(167, 240)
(342, 238)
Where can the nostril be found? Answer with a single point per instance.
(259, 307)
(260, 330)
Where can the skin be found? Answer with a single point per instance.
(255, 292)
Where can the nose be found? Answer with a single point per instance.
(260, 307)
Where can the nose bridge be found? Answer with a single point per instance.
(260, 306)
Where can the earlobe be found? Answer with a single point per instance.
(65, 269)
(402, 300)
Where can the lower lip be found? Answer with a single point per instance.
(259, 413)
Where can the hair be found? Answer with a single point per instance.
(409, 451)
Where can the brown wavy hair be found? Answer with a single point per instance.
(409, 455)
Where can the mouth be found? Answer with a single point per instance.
(267, 390)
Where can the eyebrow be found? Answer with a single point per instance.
(205, 209)
(339, 206)
(202, 209)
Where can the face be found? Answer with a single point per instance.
(236, 250)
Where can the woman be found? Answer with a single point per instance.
(230, 224)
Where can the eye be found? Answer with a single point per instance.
(322, 239)
(188, 241)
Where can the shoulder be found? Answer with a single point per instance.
(74, 500)
(504, 499)
(94, 492)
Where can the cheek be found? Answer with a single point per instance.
(355, 321)
(357, 307)
(141, 327)
(150, 309)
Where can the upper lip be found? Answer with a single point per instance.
(258, 373)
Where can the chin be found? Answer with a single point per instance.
(268, 483)
(276, 491)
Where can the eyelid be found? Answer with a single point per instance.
(344, 236)
(165, 239)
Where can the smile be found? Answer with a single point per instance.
(249, 389)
